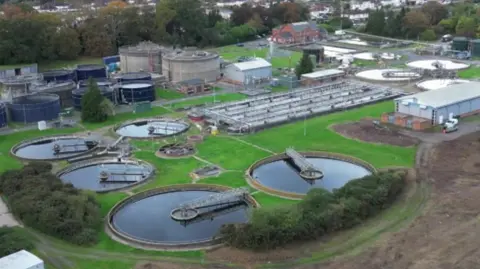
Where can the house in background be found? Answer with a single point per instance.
(298, 32)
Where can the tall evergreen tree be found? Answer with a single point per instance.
(304, 66)
(92, 108)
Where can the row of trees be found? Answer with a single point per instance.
(42, 201)
(319, 214)
(426, 23)
(28, 36)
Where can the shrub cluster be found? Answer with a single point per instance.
(320, 213)
(12, 240)
(42, 201)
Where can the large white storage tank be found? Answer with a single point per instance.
(21, 260)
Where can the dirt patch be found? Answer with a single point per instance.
(366, 130)
(167, 265)
(446, 236)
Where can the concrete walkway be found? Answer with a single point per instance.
(6, 218)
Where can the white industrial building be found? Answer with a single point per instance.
(253, 71)
(21, 260)
(442, 104)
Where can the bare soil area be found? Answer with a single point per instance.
(167, 265)
(446, 236)
(365, 130)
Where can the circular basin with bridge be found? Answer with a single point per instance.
(152, 128)
(106, 174)
(177, 216)
(280, 175)
(53, 148)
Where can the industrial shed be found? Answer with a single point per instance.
(319, 77)
(256, 71)
(439, 105)
(21, 260)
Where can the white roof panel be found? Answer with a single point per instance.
(253, 64)
(19, 260)
(323, 73)
(445, 96)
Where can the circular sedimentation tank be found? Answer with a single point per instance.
(135, 76)
(388, 75)
(151, 128)
(138, 91)
(435, 84)
(58, 75)
(106, 175)
(179, 66)
(280, 176)
(77, 95)
(86, 71)
(16, 86)
(101, 82)
(53, 148)
(147, 219)
(62, 89)
(3, 115)
(34, 108)
(437, 64)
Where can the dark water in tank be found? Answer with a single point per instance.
(43, 150)
(88, 178)
(149, 219)
(162, 128)
(281, 175)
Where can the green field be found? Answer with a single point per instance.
(472, 72)
(235, 155)
(232, 53)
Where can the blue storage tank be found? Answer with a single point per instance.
(34, 108)
(136, 91)
(77, 95)
(58, 76)
(111, 59)
(3, 115)
(101, 82)
(135, 76)
(86, 71)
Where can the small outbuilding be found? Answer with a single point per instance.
(438, 106)
(192, 86)
(21, 260)
(322, 76)
(256, 71)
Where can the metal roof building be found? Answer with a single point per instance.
(246, 72)
(322, 76)
(21, 260)
(441, 104)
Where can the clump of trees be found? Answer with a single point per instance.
(13, 240)
(427, 23)
(304, 66)
(93, 104)
(320, 213)
(42, 201)
(28, 36)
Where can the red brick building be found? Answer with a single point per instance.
(298, 32)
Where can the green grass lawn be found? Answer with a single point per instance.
(168, 94)
(121, 117)
(232, 53)
(67, 64)
(472, 72)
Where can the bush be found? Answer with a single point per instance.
(12, 240)
(327, 27)
(44, 202)
(320, 213)
(428, 35)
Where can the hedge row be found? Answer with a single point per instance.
(320, 213)
(42, 201)
(12, 240)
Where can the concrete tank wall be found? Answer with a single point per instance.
(141, 62)
(180, 69)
